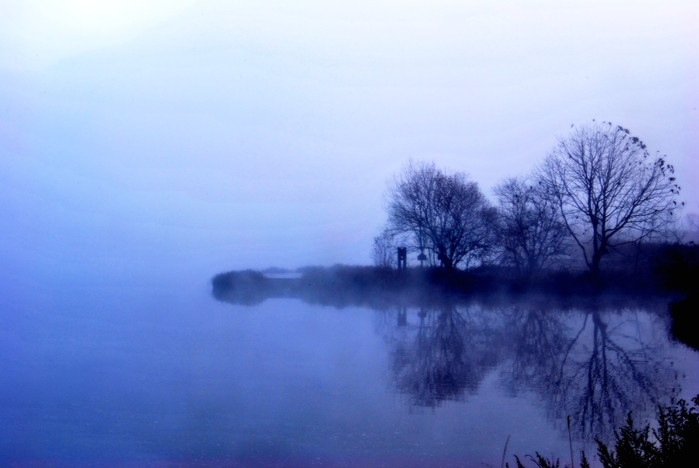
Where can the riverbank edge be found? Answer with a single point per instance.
(385, 288)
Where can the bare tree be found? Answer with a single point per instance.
(609, 190)
(445, 214)
(530, 230)
(385, 249)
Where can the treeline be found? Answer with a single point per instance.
(596, 216)
(598, 195)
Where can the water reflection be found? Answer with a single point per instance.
(445, 355)
(592, 365)
(593, 361)
(536, 340)
(610, 368)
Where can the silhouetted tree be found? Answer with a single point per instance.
(608, 188)
(530, 230)
(385, 249)
(444, 213)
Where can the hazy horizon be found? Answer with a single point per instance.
(147, 145)
(159, 136)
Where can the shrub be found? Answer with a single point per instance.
(675, 442)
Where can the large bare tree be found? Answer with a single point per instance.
(530, 230)
(608, 188)
(444, 213)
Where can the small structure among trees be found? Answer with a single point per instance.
(445, 214)
(402, 258)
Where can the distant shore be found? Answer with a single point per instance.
(366, 285)
(383, 288)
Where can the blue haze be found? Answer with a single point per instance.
(143, 150)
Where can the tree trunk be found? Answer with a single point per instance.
(446, 262)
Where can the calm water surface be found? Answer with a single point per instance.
(123, 375)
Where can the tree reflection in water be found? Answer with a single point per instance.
(444, 355)
(610, 367)
(594, 363)
(591, 365)
(536, 339)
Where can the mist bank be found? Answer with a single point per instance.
(664, 280)
(668, 277)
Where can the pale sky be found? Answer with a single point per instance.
(219, 135)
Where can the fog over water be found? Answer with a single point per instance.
(146, 146)
(240, 135)
(130, 374)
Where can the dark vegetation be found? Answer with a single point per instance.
(662, 270)
(684, 321)
(597, 195)
(673, 443)
(663, 274)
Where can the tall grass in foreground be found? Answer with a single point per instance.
(673, 443)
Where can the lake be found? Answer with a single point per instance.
(165, 375)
